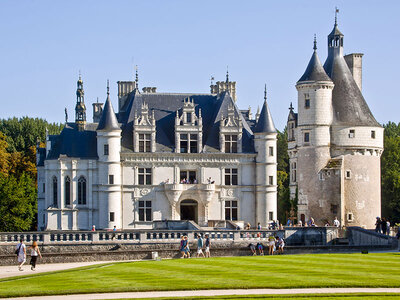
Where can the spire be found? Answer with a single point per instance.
(336, 12)
(136, 77)
(80, 108)
(227, 75)
(265, 124)
(108, 120)
(314, 70)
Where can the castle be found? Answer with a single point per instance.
(334, 142)
(163, 156)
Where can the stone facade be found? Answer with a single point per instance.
(334, 143)
(161, 157)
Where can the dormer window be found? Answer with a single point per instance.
(144, 131)
(188, 129)
(352, 134)
(231, 132)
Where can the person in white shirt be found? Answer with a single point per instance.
(20, 250)
(336, 222)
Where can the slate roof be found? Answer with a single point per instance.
(314, 70)
(349, 105)
(108, 120)
(265, 123)
(74, 143)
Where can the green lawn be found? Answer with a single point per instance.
(286, 271)
(356, 296)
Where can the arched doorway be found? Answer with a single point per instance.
(189, 210)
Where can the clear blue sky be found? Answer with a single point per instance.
(178, 45)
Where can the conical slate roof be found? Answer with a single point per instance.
(108, 120)
(314, 71)
(349, 105)
(265, 123)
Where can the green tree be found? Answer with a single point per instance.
(284, 204)
(18, 203)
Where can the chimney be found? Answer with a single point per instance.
(97, 110)
(149, 90)
(124, 89)
(354, 62)
(222, 86)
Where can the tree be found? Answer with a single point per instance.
(284, 204)
(18, 203)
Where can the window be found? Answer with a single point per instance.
(144, 176)
(291, 131)
(372, 134)
(231, 176)
(350, 217)
(348, 174)
(334, 209)
(82, 190)
(189, 117)
(270, 215)
(55, 192)
(44, 187)
(105, 149)
(144, 142)
(112, 217)
(231, 210)
(306, 100)
(271, 180)
(271, 151)
(188, 177)
(188, 143)
(294, 171)
(306, 137)
(144, 210)
(352, 134)
(110, 179)
(230, 143)
(67, 190)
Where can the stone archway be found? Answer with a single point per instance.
(189, 210)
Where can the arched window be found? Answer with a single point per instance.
(67, 190)
(55, 192)
(82, 190)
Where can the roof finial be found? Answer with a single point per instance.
(265, 92)
(315, 42)
(291, 106)
(212, 80)
(137, 77)
(108, 87)
(227, 75)
(66, 115)
(80, 75)
(336, 12)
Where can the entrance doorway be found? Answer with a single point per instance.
(189, 210)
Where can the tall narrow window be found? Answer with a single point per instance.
(144, 142)
(55, 192)
(231, 176)
(82, 190)
(306, 137)
(144, 176)
(189, 117)
(352, 134)
(44, 187)
(271, 180)
(307, 100)
(293, 172)
(106, 152)
(230, 143)
(231, 210)
(67, 190)
(372, 134)
(271, 215)
(271, 151)
(144, 210)
(110, 179)
(112, 216)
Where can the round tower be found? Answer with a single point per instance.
(265, 143)
(109, 176)
(313, 138)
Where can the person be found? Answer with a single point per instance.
(183, 246)
(35, 252)
(378, 225)
(336, 222)
(114, 235)
(200, 244)
(281, 244)
(252, 249)
(208, 245)
(387, 227)
(300, 223)
(289, 222)
(248, 226)
(187, 249)
(271, 244)
(20, 250)
(327, 224)
(260, 248)
(259, 226)
(383, 226)
(94, 228)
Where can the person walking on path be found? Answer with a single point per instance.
(182, 248)
(378, 225)
(35, 252)
(208, 244)
(260, 248)
(200, 244)
(20, 250)
(187, 249)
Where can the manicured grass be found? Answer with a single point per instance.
(286, 271)
(355, 296)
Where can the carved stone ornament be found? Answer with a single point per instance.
(144, 192)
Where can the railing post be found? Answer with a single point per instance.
(236, 235)
(46, 238)
(95, 236)
(142, 237)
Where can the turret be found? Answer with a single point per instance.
(80, 108)
(265, 137)
(108, 150)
